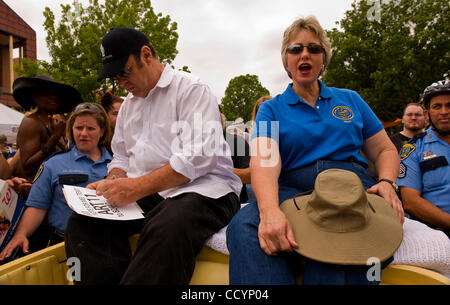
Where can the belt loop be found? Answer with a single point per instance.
(319, 166)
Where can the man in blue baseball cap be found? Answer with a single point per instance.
(188, 192)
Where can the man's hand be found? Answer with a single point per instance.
(118, 192)
(58, 127)
(93, 185)
(385, 190)
(19, 184)
(275, 232)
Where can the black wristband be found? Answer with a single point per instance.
(392, 183)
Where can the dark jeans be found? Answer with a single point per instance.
(172, 234)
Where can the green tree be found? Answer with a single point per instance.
(31, 68)
(390, 61)
(241, 95)
(74, 43)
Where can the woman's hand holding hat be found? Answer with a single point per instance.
(275, 232)
(340, 223)
(385, 190)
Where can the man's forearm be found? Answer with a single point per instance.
(424, 209)
(159, 180)
(5, 171)
(243, 174)
(116, 173)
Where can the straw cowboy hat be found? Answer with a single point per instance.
(25, 87)
(340, 223)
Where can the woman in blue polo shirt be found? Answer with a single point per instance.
(88, 127)
(298, 134)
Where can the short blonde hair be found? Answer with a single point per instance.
(100, 115)
(309, 23)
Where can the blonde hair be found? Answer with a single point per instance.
(309, 23)
(100, 115)
(258, 104)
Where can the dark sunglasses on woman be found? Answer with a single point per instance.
(312, 48)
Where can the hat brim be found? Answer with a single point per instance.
(25, 87)
(380, 238)
(113, 68)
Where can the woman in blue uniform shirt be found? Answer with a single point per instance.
(88, 127)
(298, 134)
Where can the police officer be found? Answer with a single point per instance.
(424, 163)
(88, 127)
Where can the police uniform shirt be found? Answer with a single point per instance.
(73, 168)
(335, 129)
(424, 166)
(399, 140)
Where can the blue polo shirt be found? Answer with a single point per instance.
(424, 166)
(65, 168)
(334, 130)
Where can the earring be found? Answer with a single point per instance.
(322, 69)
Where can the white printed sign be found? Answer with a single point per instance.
(86, 202)
(11, 211)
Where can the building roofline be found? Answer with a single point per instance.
(17, 16)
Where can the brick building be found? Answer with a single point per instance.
(15, 34)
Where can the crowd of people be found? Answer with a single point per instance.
(299, 167)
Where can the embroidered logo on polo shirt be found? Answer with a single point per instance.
(406, 150)
(343, 113)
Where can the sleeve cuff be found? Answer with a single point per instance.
(123, 165)
(182, 166)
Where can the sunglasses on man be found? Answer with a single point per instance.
(312, 48)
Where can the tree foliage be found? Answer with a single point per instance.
(241, 95)
(74, 43)
(391, 61)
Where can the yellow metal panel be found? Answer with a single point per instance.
(48, 267)
(45, 271)
(412, 275)
(210, 273)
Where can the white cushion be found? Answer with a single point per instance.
(421, 246)
(424, 247)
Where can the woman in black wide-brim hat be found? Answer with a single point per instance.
(39, 136)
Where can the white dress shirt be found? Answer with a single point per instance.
(178, 122)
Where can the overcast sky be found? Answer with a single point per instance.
(218, 39)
